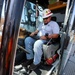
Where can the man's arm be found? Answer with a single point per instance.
(53, 36)
(49, 36)
(34, 33)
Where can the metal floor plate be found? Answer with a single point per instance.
(69, 69)
(70, 66)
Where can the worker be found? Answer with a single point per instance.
(46, 30)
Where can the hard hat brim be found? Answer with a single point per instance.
(47, 15)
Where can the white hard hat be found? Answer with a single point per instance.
(47, 13)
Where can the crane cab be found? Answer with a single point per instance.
(17, 24)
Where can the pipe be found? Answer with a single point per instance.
(10, 36)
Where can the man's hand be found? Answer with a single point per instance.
(43, 38)
(32, 34)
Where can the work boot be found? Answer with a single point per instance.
(33, 66)
(28, 62)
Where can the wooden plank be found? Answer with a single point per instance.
(57, 5)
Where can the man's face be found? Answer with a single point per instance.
(46, 20)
